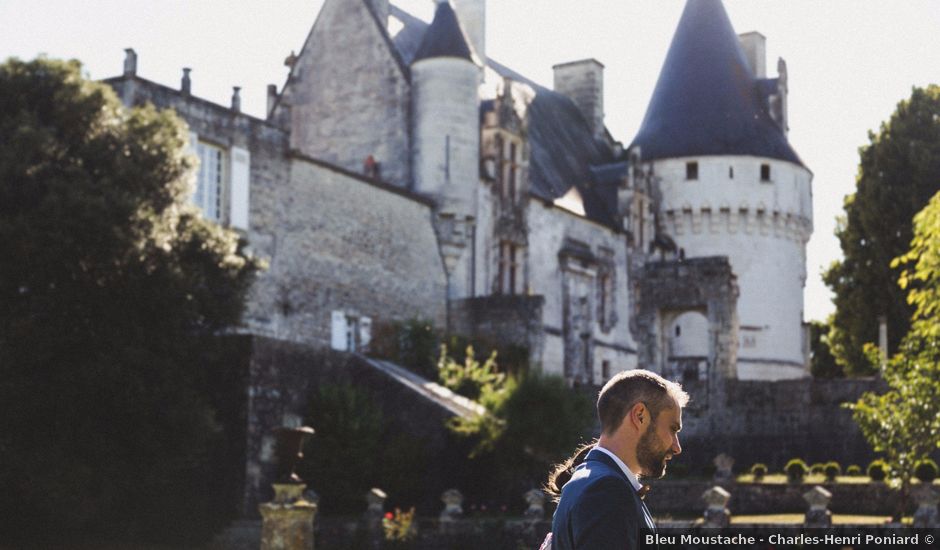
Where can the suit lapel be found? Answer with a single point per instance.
(600, 456)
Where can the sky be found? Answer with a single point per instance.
(849, 61)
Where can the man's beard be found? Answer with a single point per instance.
(651, 460)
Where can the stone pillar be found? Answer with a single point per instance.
(287, 522)
(927, 498)
(375, 510)
(818, 514)
(453, 505)
(717, 513)
(723, 464)
(536, 500)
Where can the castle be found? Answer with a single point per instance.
(402, 173)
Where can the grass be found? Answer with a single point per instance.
(812, 479)
(837, 519)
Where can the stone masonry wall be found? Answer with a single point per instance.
(348, 94)
(344, 243)
(281, 378)
(502, 320)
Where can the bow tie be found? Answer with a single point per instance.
(643, 490)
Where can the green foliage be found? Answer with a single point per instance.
(832, 470)
(399, 526)
(853, 470)
(412, 344)
(817, 468)
(878, 470)
(904, 422)
(899, 170)
(350, 425)
(110, 291)
(532, 422)
(822, 363)
(759, 470)
(926, 470)
(470, 378)
(796, 470)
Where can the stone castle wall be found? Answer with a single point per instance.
(345, 243)
(348, 95)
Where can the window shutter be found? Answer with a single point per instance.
(241, 170)
(193, 150)
(338, 331)
(365, 333)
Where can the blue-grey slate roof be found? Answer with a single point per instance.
(707, 100)
(562, 147)
(444, 37)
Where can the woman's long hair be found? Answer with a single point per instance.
(563, 472)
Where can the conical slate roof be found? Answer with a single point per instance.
(444, 37)
(707, 100)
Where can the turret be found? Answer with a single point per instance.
(445, 74)
(730, 183)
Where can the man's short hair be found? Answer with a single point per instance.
(627, 388)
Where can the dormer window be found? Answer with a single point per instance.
(691, 170)
(765, 172)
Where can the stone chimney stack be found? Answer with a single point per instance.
(583, 82)
(236, 99)
(130, 62)
(186, 85)
(272, 98)
(380, 7)
(472, 17)
(754, 45)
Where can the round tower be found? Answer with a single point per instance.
(445, 126)
(446, 137)
(731, 185)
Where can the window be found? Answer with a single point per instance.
(765, 172)
(508, 279)
(691, 170)
(731, 172)
(208, 195)
(605, 370)
(350, 332)
(512, 172)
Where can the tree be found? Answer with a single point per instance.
(899, 170)
(111, 289)
(904, 422)
(822, 363)
(531, 422)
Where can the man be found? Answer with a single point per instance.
(601, 506)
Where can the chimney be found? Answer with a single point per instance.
(130, 62)
(754, 45)
(583, 82)
(186, 84)
(272, 97)
(236, 99)
(380, 8)
(472, 17)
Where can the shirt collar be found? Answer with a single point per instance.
(626, 471)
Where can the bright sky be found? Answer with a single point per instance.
(849, 61)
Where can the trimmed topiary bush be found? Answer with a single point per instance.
(759, 470)
(796, 470)
(926, 470)
(878, 470)
(817, 468)
(853, 470)
(832, 470)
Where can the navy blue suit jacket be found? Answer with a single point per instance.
(599, 509)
